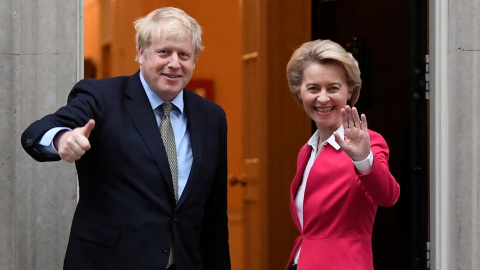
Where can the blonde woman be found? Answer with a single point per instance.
(342, 171)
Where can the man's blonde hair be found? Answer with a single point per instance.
(148, 28)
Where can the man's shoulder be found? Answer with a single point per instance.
(110, 86)
(193, 98)
(109, 82)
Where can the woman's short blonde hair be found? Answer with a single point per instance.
(148, 28)
(322, 51)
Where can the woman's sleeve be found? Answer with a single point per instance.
(379, 184)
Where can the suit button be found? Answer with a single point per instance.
(166, 249)
(175, 219)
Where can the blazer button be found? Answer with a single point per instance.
(166, 249)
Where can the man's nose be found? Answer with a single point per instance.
(174, 61)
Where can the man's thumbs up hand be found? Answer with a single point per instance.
(73, 144)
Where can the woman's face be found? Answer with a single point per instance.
(324, 92)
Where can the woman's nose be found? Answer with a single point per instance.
(323, 97)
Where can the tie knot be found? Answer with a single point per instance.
(167, 108)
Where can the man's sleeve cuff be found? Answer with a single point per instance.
(46, 142)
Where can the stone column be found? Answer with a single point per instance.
(455, 134)
(41, 57)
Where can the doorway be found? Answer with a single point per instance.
(389, 40)
(390, 44)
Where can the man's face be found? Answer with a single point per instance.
(167, 66)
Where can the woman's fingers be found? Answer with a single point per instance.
(351, 118)
(364, 125)
(355, 118)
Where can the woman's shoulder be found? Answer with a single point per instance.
(375, 135)
(376, 138)
(377, 142)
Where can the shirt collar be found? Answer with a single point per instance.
(313, 141)
(156, 101)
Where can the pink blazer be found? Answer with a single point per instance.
(339, 207)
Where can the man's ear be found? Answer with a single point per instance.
(140, 52)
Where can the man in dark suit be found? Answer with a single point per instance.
(143, 205)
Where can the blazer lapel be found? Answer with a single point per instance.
(197, 135)
(301, 164)
(140, 111)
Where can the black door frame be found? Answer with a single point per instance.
(418, 174)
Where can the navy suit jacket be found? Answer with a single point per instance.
(126, 217)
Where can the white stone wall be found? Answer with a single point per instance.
(455, 122)
(466, 89)
(40, 50)
(7, 158)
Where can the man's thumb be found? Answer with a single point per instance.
(87, 129)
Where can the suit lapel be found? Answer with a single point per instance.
(140, 111)
(301, 164)
(195, 128)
